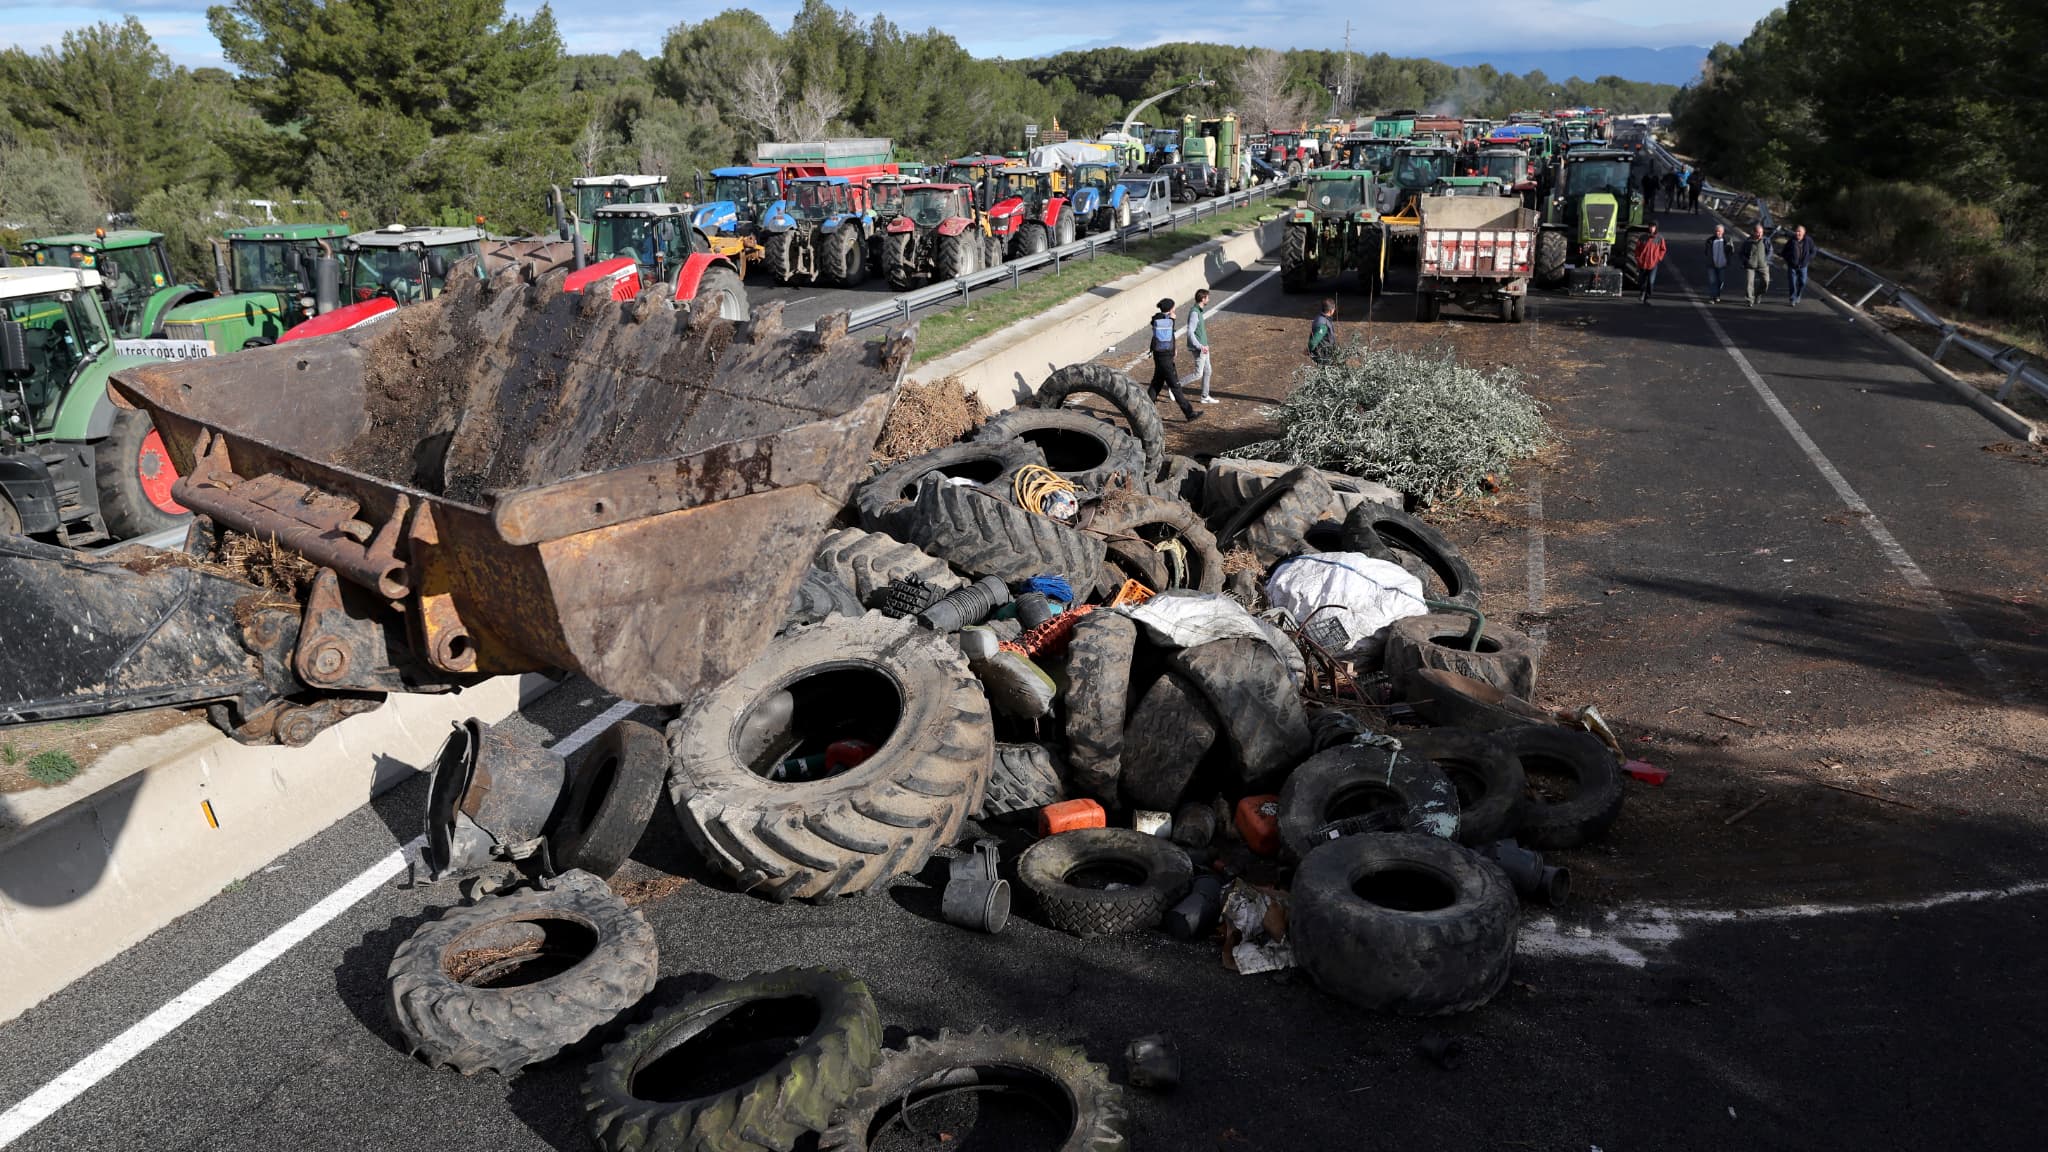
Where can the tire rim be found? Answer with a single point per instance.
(154, 469)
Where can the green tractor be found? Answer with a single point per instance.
(270, 268)
(132, 269)
(594, 192)
(74, 467)
(1417, 168)
(1592, 222)
(1335, 228)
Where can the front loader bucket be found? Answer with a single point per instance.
(540, 481)
(1599, 280)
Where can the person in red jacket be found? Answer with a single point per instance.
(1649, 256)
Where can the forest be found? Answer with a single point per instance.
(437, 111)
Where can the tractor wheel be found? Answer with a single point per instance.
(1123, 216)
(991, 252)
(1031, 239)
(1294, 168)
(721, 287)
(134, 476)
(1104, 220)
(1297, 270)
(899, 260)
(845, 258)
(956, 256)
(1064, 233)
(1370, 263)
(1552, 249)
(779, 256)
(1520, 311)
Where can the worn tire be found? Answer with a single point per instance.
(1553, 250)
(899, 260)
(1248, 687)
(1155, 873)
(1169, 732)
(1492, 789)
(1087, 452)
(1276, 523)
(453, 1024)
(1450, 700)
(1102, 1120)
(722, 288)
(134, 504)
(842, 262)
(1065, 232)
(1363, 788)
(1386, 533)
(870, 561)
(1124, 394)
(1595, 802)
(1231, 484)
(820, 594)
(1378, 954)
(958, 255)
(1506, 658)
(983, 534)
(1297, 273)
(885, 497)
(1024, 778)
(612, 795)
(1098, 687)
(852, 832)
(1130, 525)
(1183, 478)
(778, 256)
(769, 1112)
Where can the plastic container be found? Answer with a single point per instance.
(1072, 815)
(1258, 822)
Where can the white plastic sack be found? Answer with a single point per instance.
(1181, 619)
(1364, 594)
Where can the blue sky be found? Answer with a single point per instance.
(1399, 28)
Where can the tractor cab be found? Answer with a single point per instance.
(737, 199)
(885, 194)
(405, 265)
(816, 198)
(1417, 168)
(1098, 175)
(595, 192)
(1034, 186)
(1331, 192)
(930, 205)
(1361, 152)
(134, 274)
(657, 236)
(1488, 186)
(271, 269)
(974, 170)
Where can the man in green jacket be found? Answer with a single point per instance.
(1322, 334)
(1756, 265)
(1198, 341)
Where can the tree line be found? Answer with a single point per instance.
(437, 111)
(1902, 130)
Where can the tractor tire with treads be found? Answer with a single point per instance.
(851, 832)
(899, 263)
(1276, 523)
(1169, 732)
(1505, 658)
(883, 499)
(839, 258)
(1553, 249)
(986, 534)
(1063, 232)
(1086, 451)
(1099, 678)
(1032, 239)
(1297, 271)
(1099, 1120)
(1131, 525)
(1124, 394)
(1256, 703)
(133, 475)
(958, 255)
(721, 290)
(1025, 777)
(778, 256)
(870, 561)
(1069, 878)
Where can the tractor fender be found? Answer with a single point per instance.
(621, 273)
(776, 217)
(161, 304)
(1116, 196)
(344, 318)
(905, 224)
(1053, 208)
(691, 274)
(953, 226)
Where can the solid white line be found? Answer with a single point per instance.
(1958, 631)
(1227, 302)
(108, 1059)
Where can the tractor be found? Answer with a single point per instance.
(1510, 165)
(1592, 221)
(1037, 198)
(1289, 153)
(388, 268)
(939, 234)
(594, 192)
(984, 174)
(819, 229)
(737, 200)
(75, 468)
(1417, 168)
(667, 248)
(272, 271)
(1098, 199)
(134, 278)
(1334, 229)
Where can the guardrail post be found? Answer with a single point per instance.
(2011, 378)
(1948, 335)
(1015, 272)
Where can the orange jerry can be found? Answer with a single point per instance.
(1258, 821)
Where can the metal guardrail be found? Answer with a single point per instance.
(2010, 360)
(1010, 272)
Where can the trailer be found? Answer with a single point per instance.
(854, 158)
(1477, 252)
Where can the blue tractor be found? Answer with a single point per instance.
(737, 200)
(820, 229)
(1097, 198)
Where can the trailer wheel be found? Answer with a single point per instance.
(134, 475)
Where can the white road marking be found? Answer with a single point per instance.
(1227, 302)
(1958, 631)
(1625, 937)
(108, 1059)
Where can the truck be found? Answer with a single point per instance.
(1477, 252)
(75, 468)
(132, 275)
(1396, 125)
(268, 274)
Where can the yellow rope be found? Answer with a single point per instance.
(1034, 483)
(1175, 551)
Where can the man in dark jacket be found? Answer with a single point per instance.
(1322, 334)
(1164, 374)
(1799, 252)
(1694, 184)
(1720, 254)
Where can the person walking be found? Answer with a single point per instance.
(1719, 252)
(1164, 375)
(1198, 342)
(1756, 266)
(1649, 257)
(1322, 334)
(1650, 189)
(1799, 252)
(1672, 184)
(1695, 184)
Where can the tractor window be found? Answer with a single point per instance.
(1337, 196)
(887, 198)
(640, 237)
(130, 276)
(815, 201)
(265, 265)
(1418, 170)
(757, 190)
(393, 272)
(1507, 168)
(930, 206)
(1589, 176)
(61, 335)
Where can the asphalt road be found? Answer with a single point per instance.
(1886, 1021)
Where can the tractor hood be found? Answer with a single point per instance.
(717, 216)
(1598, 214)
(202, 319)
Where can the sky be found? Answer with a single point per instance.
(1397, 27)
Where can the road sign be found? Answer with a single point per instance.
(1031, 131)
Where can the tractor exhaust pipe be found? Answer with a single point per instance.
(568, 227)
(326, 281)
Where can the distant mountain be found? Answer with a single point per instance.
(1655, 65)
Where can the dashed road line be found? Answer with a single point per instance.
(73, 1082)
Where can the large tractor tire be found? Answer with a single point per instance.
(1087, 451)
(1032, 239)
(134, 475)
(899, 260)
(1372, 261)
(991, 252)
(722, 289)
(778, 256)
(1091, 1111)
(957, 256)
(1294, 168)
(985, 534)
(1124, 394)
(1064, 232)
(843, 263)
(1297, 267)
(1552, 250)
(826, 833)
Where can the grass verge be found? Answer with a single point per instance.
(951, 330)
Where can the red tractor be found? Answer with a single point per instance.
(937, 233)
(1031, 204)
(1290, 152)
